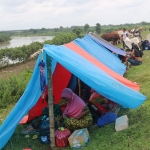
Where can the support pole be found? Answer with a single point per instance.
(50, 103)
(79, 84)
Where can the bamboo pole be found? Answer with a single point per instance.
(50, 103)
(79, 84)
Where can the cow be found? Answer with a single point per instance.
(120, 32)
(111, 37)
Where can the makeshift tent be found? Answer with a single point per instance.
(116, 76)
(61, 74)
(106, 44)
(85, 68)
(102, 54)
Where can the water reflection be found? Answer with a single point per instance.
(20, 41)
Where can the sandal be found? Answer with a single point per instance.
(27, 136)
(34, 137)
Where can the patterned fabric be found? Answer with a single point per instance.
(42, 80)
(74, 124)
(57, 111)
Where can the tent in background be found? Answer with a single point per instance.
(102, 54)
(106, 44)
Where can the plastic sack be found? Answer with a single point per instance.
(106, 119)
(61, 137)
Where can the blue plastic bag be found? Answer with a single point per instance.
(106, 119)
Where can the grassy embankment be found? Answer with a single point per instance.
(136, 137)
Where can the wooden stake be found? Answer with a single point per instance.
(128, 141)
(79, 84)
(50, 103)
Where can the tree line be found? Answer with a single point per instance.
(79, 30)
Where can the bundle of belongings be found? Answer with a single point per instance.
(145, 45)
(106, 119)
(41, 124)
(104, 111)
(128, 42)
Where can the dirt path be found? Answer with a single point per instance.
(17, 69)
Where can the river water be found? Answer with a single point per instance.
(20, 41)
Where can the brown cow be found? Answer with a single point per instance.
(111, 37)
(120, 32)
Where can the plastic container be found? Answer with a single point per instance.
(61, 137)
(121, 123)
(44, 132)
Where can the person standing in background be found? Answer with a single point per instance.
(124, 35)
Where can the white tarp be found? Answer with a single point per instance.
(128, 41)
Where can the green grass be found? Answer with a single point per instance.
(5, 112)
(145, 33)
(136, 137)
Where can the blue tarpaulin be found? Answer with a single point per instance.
(106, 44)
(102, 54)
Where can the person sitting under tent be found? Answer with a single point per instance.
(103, 104)
(58, 119)
(99, 105)
(121, 57)
(136, 53)
(77, 114)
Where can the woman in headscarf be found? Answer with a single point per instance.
(77, 114)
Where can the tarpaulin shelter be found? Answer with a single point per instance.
(84, 66)
(102, 54)
(106, 44)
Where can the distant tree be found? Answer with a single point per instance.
(43, 29)
(35, 31)
(144, 23)
(61, 27)
(109, 30)
(98, 28)
(86, 27)
(4, 37)
(62, 38)
(78, 31)
(56, 29)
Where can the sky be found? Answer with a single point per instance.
(37, 14)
